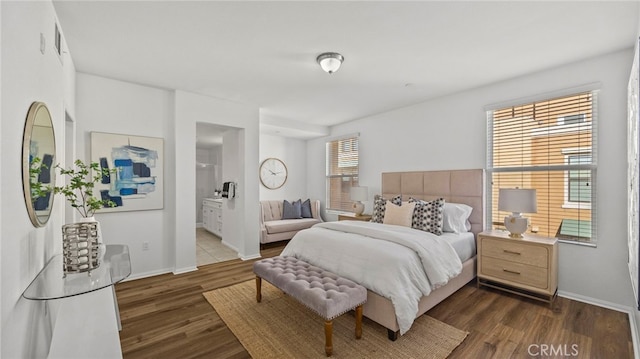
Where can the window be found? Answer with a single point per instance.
(577, 192)
(342, 172)
(547, 145)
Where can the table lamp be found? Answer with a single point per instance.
(358, 194)
(517, 201)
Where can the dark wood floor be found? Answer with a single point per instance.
(166, 316)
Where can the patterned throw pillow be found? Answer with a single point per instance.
(379, 204)
(428, 215)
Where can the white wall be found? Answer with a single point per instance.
(105, 105)
(243, 217)
(293, 152)
(232, 171)
(27, 75)
(636, 312)
(450, 133)
(1, 209)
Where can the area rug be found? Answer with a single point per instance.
(280, 327)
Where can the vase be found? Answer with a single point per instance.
(81, 244)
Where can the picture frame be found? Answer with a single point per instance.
(136, 165)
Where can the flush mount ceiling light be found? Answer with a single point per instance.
(330, 61)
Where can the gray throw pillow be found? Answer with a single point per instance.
(306, 209)
(291, 210)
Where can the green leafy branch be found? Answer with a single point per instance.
(79, 190)
(38, 189)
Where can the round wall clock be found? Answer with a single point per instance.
(273, 173)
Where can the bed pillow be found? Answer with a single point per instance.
(379, 204)
(306, 209)
(399, 215)
(291, 210)
(456, 218)
(428, 215)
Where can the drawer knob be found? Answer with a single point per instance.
(510, 271)
(511, 252)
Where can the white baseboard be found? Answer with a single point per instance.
(184, 270)
(613, 306)
(148, 274)
(247, 258)
(235, 249)
(160, 272)
(594, 301)
(199, 225)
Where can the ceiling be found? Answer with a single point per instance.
(396, 53)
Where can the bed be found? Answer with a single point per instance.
(329, 245)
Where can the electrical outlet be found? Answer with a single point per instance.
(145, 246)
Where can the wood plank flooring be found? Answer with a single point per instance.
(166, 316)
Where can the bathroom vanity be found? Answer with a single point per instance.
(212, 215)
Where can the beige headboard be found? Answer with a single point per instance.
(457, 186)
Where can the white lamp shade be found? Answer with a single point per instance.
(359, 193)
(517, 200)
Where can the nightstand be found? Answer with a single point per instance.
(353, 217)
(525, 266)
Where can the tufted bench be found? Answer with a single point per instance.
(321, 291)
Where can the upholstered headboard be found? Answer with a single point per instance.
(457, 186)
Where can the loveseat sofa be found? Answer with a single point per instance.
(273, 228)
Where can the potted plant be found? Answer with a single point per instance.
(79, 190)
(82, 242)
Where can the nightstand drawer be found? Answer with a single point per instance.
(516, 252)
(353, 217)
(515, 272)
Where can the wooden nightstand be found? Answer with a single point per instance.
(527, 266)
(353, 217)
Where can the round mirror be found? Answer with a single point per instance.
(38, 168)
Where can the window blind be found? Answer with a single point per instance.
(342, 172)
(550, 146)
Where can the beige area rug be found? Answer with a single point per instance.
(280, 327)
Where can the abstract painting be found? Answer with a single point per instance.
(136, 178)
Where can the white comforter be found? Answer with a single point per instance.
(399, 263)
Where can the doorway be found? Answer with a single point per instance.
(210, 246)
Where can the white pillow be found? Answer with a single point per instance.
(399, 215)
(456, 218)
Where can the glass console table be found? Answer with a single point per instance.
(51, 283)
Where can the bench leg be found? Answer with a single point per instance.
(359, 322)
(328, 344)
(258, 289)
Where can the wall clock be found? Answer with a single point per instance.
(273, 173)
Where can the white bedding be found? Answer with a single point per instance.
(463, 243)
(399, 263)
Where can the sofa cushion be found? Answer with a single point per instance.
(286, 225)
